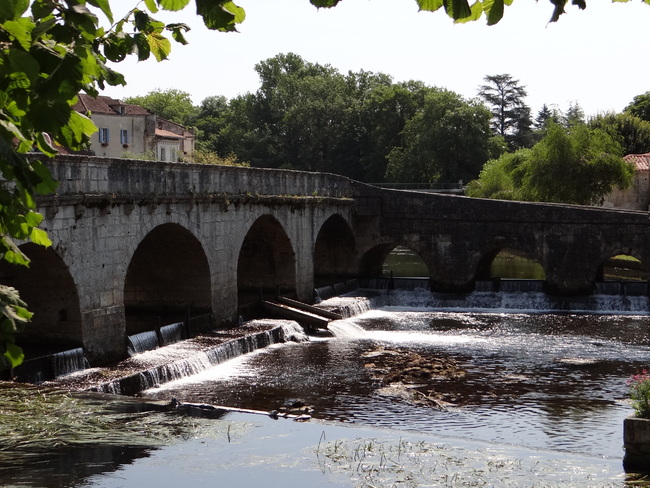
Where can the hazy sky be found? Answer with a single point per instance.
(598, 57)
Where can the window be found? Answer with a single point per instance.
(103, 135)
(124, 136)
(162, 153)
(173, 158)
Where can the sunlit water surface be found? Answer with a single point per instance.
(547, 382)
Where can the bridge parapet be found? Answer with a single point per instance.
(93, 175)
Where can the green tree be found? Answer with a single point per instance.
(640, 106)
(577, 165)
(631, 132)
(210, 122)
(511, 117)
(171, 104)
(444, 142)
(383, 115)
(574, 115)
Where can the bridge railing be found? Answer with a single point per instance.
(95, 175)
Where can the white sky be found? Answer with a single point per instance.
(598, 57)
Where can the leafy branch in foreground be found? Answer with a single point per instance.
(51, 51)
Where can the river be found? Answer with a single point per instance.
(535, 398)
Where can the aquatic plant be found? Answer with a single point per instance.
(640, 394)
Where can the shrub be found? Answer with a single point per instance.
(640, 394)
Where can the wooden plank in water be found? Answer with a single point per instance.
(299, 316)
(310, 308)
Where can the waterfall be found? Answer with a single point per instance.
(345, 329)
(155, 367)
(293, 332)
(518, 301)
(67, 362)
(171, 333)
(144, 341)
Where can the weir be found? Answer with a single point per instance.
(185, 358)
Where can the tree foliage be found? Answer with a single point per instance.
(631, 132)
(640, 106)
(577, 165)
(445, 141)
(170, 104)
(511, 118)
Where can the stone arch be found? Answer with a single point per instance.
(372, 262)
(334, 252)
(51, 294)
(622, 264)
(266, 266)
(167, 279)
(515, 263)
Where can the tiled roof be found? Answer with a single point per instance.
(167, 134)
(106, 105)
(640, 161)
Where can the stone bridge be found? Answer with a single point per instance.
(141, 244)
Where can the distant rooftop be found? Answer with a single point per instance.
(107, 105)
(640, 161)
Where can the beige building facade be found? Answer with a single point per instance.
(130, 130)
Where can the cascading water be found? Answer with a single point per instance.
(347, 329)
(171, 333)
(144, 341)
(70, 361)
(155, 367)
(504, 301)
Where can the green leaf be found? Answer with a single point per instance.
(142, 46)
(151, 5)
(324, 3)
(477, 12)
(430, 5)
(21, 30)
(104, 6)
(222, 16)
(47, 184)
(160, 46)
(78, 129)
(494, 10)
(12, 9)
(173, 5)
(458, 9)
(14, 354)
(39, 236)
(24, 62)
(33, 219)
(177, 32)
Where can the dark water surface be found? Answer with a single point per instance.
(541, 403)
(543, 381)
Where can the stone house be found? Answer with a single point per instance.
(637, 196)
(126, 128)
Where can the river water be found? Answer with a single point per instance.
(550, 384)
(530, 398)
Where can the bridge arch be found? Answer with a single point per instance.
(334, 252)
(266, 265)
(623, 264)
(505, 262)
(167, 278)
(373, 261)
(50, 292)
